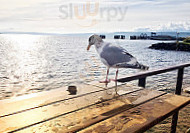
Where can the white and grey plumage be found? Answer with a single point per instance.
(113, 56)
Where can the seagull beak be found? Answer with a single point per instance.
(89, 45)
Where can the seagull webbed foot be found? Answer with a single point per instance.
(106, 81)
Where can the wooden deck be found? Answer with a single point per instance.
(93, 109)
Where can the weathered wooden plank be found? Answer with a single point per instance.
(51, 111)
(94, 114)
(26, 102)
(31, 101)
(142, 117)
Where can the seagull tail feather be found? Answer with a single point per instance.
(134, 66)
(141, 66)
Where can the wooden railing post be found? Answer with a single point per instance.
(142, 82)
(179, 81)
(178, 92)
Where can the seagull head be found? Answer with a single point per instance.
(93, 40)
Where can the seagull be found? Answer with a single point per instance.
(113, 56)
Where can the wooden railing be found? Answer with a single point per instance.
(142, 82)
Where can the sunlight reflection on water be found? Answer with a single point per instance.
(31, 63)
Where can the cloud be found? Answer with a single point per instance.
(141, 15)
(169, 27)
(175, 26)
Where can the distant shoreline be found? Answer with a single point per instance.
(128, 34)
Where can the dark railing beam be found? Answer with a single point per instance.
(151, 73)
(142, 82)
(174, 122)
(179, 81)
(178, 92)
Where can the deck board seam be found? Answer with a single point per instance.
(51, 118)
(159, 119)
(51, 103)
(119, 112)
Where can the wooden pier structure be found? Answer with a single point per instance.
(95, 108)
(154, 36)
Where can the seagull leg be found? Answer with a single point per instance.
(107, 80)
(116, 74)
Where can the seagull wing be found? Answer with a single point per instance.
(116, 56)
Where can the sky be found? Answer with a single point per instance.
(87, 16)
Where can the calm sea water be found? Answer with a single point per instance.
(34, 63)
